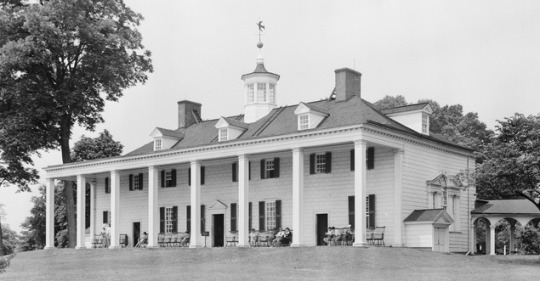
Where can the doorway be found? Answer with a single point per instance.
(219, 230)
(322, 226)
(136, 233)
(439, 239)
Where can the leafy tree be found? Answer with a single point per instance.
(511, 168)
(389, 102)
(95, 148)
(2, 216)
(61, 59)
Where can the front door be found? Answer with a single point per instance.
(322, 226)
(219, 230)
(136, 233)
(439, 239)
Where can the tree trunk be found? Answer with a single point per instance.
(68, 185)
(1, 240)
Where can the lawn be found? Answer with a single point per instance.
(313, 263)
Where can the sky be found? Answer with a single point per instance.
(484, 55)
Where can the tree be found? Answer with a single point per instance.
(86, 148)
(61, 59)
(389, 102)
(2, 216)
(511, 168)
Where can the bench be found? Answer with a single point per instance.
(376, 236)
(176, 239)
(231, 239)
(97, 241)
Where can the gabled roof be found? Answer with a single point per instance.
(311, 107)
(508, 206)
(168, 133)
(405, 108)
(282, 121)
(429, 216)
(234, 123)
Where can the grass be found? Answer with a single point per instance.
(313, 263)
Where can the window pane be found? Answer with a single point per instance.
(320, 163)
(261, 92)
(168, 220)
(303, 122)
(270, 215)
(269, 168)
(223, 134)
(136, 182)
(250, 93)
(272, 93)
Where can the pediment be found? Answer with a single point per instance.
(445, 180)
(217, 205)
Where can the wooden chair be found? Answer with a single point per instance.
(231, 239)
(167, 239)
(161, 239)
(183, 239)
(369, 235)
(378, 235)
(174, 240)
(264, 239)
(97, 241)
(123, 240)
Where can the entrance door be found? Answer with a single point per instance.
(136, 233)
(322, 226)
(439, 239)
(219, 230)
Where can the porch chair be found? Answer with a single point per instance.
(97, 241)
(183, 239)
(231, 239)
(264, 239)
(123, 240)
(161, 239)
(378, 235)
(369, 235)
(167, 239)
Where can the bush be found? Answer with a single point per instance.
(529, 240)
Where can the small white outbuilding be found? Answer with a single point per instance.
(428, 229)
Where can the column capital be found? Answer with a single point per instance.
(243, 156)
(360, 142)
(297, 149)
(492, 226)
(195, 162)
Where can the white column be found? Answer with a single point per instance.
(511, 239)
(153, 208)
(398, 218)
(472, 235)
(115, 209)
(195, 235)
(298, 196)
(92, 211)
(49, 215)
(243, 201)
(81, 218)
(360, 147)
(492, 240)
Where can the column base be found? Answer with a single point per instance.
(114, 247)
(398, 245)
(243, 245)
(360, 244)
(49, 248)
(195, 246)
(297, 245)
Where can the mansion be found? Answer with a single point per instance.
(333, 162)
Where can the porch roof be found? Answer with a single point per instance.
(507, 206)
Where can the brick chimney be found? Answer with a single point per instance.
(347, 83)
(189, 113)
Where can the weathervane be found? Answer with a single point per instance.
(261, 27)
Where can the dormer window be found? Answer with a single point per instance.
(223, 134)
(425, 123)
(157, 144)
(303, 122)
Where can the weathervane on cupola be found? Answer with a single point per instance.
(260, 87)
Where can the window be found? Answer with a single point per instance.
(261, 92)
(425, 123)
(106, 217)
(444, 198)
(250, 93)
(320, 164)
(136, 185)
(272, 93)
(270, 215)
(168, 178)
(434, 200)
(223, 134)
(107, 186)
(270, 168)
(157, 144)
(168, 220)
(303, 122)
(136, 182)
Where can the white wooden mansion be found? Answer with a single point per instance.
(333, 162)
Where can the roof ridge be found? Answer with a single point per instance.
(268, 121)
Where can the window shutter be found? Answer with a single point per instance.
(188, 219)
(351, 211)
(262, 207)
(234, 173)
(233, 217)
(175, 219)
(189, 176)
(141, 176)
(105, 217)
(163, 178)
(370, 158)
(203, 219)
(372, 210)
(276, 167)
(263, 169)
(249, 170)
(130, 182)
(278, 214)
(250, 213)
(173, 177)
(312, 163)
(162, 219)
(328, 162)
(107, 187)
(352, 159)
(202, 174)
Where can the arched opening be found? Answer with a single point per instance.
(481, 232)
(507, 231)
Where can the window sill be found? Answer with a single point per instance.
(456, 232)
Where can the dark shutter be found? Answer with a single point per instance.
(263, 169)
(105, 217)
(278, 214)
(312, 163)
(189, 176)
(370, 161)
(249, 170)
(352, 159)
(141, 177)
(233, 217)
(276, 167)
(162, 219)
(328, 164)
(262, 207)
(203, 219)
(175, 219)
(107, 186)
(163, 178)
(351, 211)
(371, 209)
(202, 174)
(188, 219)
(234, 172)
(250, 213)
(173, 177)
(130, 182)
